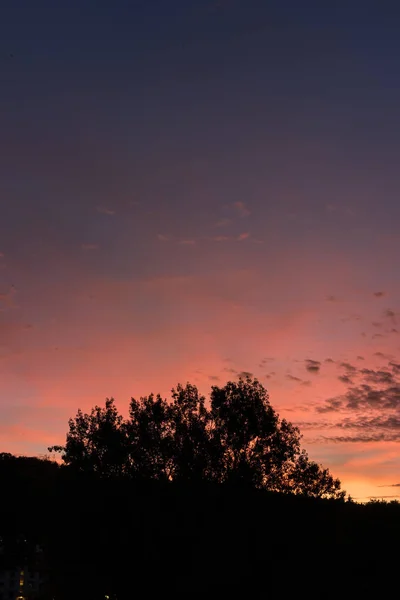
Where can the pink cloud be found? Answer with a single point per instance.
(105, 211)
(221, 238)
(90, 246)
(7, 299)
(225, 222)
(241, 209)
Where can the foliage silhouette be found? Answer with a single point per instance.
(119, 536)
(238, 440)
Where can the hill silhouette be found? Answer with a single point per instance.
(129, 513)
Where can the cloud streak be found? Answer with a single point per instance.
(241, 209)
(313, 366)
(90, 246)
(105, 211)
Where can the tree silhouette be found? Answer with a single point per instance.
(193, 450)
(149, 438)
(255, 445)
(96, 442)
(238, 440)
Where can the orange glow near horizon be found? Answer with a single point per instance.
(203, 330)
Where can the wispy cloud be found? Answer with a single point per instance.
(330, 405)
(349, 367)
(343, 210)
(382, 497)
(345, 379)
(105, 211)
(90, 246)
(295, 379)
(230, 370)
(188, 242)
(245, 374)
(266, 360)
(390, 314)
(351, 318)
(382, 355)
(221, 238)
(224, 222)
(7, 298)
(292, 377)
(312, 366)
(366, 438)
(241, 209)
(240, 238)
(390, 485)
(214, 378)
(162, 237)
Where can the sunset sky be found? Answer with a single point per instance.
(192, 189)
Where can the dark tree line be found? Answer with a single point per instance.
(237, 438)
(118, 535)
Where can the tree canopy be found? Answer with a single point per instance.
(236, 438)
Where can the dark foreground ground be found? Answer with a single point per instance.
(130, 540)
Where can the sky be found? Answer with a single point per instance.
(190, 190)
